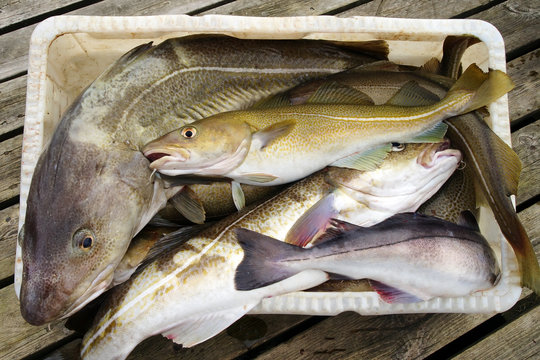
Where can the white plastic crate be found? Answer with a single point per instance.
(68, 52)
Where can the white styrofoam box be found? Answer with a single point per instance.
(68, 52)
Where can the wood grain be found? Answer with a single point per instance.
(419, 9)
(14, 11)
(9, 219)
(10, 167)
(278, 8)
(525, 97)
(12, 102)
(522, 336)
(517, 20)
(15, 44)
(18, 338)
(526, 143)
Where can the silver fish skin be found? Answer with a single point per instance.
(92, 190)
(424, 257)
(154, 301)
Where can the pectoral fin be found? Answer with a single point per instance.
(188, 204)
(392, 295)
(314, 222)
(259, 177)
(412, 94)
(238, 195)
(433, 135)
(365, 161)
(334, 93)
(197, 329)
(264, 137)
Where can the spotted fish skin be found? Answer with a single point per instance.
(94, 163)
(189, 282)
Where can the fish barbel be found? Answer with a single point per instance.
(280, 145)
(92, 189)
(192, 293)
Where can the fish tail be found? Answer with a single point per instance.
(261, 263)
(528, 263)
(487, 87)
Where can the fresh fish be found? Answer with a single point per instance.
(489, 162)
(454, 197)
(406, 178)
(279, 145)
(408, 253)
(497, 167)
(199, 289)
(92, 190)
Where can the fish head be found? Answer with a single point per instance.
(411, 170)
(212, 146)
(82, 211)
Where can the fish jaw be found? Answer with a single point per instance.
(59, 275)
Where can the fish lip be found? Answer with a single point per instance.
(159, 158)
(96, 288)
(429, 157)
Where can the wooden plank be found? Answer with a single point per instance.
(526, 143)
(9, 219)
(525, 97)
(278, 7)
(15, 44)
(13, 11)
(521, 335)
(10, 167)
(420, 9)
(12, 102)
(517, 20)
(18, 338)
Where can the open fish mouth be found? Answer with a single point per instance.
(101, 283)
(433, 154)
(159, 158)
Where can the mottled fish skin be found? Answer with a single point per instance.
(207, 266)
(422, 256)
(183, 284)
(93, 180)
(497, 168)
(455, 196)
(305, 138)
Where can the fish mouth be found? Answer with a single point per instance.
(96, 288)
(437, 152)
(160, 159)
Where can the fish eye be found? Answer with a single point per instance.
(189, 132)
(83, 239)
(398, 147)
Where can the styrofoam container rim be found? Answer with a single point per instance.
(498, 299)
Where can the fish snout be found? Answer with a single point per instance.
(160, 158)
(438, 152)
(41, 302)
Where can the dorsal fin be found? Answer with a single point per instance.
(377, 48)
(334, 93)
(412, 94)
(432, 65)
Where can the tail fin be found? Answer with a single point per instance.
(487, 87)
(261, 264)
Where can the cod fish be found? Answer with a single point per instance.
(199, 289)
(490, 163)
(279, 145)
(92, 189)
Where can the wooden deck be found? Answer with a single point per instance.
(513, 334)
